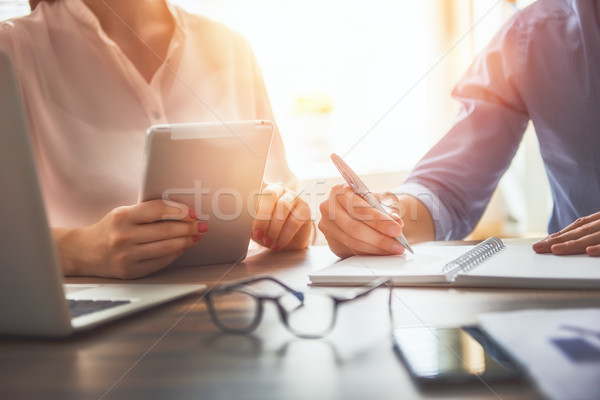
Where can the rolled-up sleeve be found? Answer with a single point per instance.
(456, 178)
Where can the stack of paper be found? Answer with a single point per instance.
(560, 349)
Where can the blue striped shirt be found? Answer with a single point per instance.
(543, 66)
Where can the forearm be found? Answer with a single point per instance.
(65, 243)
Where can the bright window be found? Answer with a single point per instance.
(368, 80)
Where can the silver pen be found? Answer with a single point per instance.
(363, 191)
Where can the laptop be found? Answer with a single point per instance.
(33, 299)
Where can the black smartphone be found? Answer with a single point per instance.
(453, 355)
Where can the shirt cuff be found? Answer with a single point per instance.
(441, 217)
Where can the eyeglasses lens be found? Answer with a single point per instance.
(312, 317)
(235, 310)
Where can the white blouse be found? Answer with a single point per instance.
(88, 107)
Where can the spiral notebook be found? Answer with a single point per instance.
(490, 263)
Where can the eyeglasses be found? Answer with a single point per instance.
(238, 307)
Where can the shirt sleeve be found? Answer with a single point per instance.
(456, 178)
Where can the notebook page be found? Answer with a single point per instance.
(518, 265)
(425, 266)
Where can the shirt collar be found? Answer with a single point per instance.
(176, 13)
(180, 30)
(82, 12)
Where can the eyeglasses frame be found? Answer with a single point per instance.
(283, 313)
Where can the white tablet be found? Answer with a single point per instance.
(215, 168)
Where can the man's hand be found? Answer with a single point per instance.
(351, 226)
(582, 236)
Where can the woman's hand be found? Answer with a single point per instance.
(129, 242)
(282, 219)
(351, 226)
(582, 236)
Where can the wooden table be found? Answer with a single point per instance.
(175, 352)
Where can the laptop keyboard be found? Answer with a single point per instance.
(82, 307)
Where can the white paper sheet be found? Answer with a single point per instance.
(560, 349)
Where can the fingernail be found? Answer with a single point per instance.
(258, 234)
(197, 238)
(193, 214)
(397, 248)
(268, 242)
(558, 246)
(538, 244)
(202, 227)
(275, 247)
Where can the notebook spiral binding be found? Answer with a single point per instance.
(473, 257)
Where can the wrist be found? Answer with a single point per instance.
(68, 250)
(418, 222)
(304, 236)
